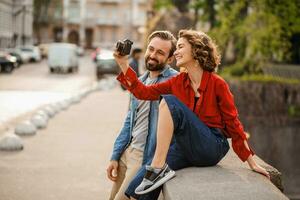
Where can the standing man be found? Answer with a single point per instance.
(136, 55)
(135, 145)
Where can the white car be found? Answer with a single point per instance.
(25, 57)
(32, 52)
(62, 57)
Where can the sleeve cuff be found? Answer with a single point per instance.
(114, 157)
(241, 150)
(128, 79)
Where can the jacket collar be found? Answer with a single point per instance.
(164, 73)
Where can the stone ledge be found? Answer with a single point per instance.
(230, 179)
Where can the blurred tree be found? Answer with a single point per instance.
(208, 11)
(159, 4)
(181, 5)
(249, 33)
(260, 31)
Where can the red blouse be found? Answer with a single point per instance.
(215, 106)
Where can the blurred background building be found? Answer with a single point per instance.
(91, 23)
(16, 18)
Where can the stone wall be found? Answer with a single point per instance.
(274, 132)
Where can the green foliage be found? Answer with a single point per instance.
(294, 111)
(236, 70)
(269, 79)
(259, 78)
(159, 4)
(260, 31)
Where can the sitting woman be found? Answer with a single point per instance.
(197, 110)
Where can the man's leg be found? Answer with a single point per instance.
(134, 159)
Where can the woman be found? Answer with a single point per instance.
(200, 114)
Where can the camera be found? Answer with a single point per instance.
(124, 47)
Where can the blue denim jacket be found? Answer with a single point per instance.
(124, 138)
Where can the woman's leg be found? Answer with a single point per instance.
(196, 141)
(165, 130)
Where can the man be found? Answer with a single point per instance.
(136, 55)
(135, 145)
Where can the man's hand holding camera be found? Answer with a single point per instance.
(121, 54)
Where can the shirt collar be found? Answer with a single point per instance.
(204, 81)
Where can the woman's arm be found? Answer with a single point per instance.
(233, 126)
(129, 79)
(235, 129)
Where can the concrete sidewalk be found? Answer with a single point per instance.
(68, 159)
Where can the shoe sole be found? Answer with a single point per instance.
(170, 175)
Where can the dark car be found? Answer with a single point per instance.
(18, 57)
(7, 62)
(106, 64)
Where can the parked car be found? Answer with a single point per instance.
(62, 57)
(7, 62)
(32, 51)
(18, 58)
(106, 64)
(24, 57)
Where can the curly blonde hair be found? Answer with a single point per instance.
(204, 50)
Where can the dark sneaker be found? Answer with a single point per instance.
(154, 178)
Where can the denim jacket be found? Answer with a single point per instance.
(125, 135)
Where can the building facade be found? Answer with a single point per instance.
(97, 23)
(16, 23)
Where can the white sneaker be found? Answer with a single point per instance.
(154, 178)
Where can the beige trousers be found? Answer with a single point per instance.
(129, 164)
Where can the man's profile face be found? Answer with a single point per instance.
(157, 54)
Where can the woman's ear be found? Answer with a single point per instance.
(170, 59)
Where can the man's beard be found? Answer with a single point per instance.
(154, 67)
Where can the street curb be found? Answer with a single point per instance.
(56, 107)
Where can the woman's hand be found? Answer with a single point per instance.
(122, 61)
(257, 168)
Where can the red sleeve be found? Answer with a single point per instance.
(233, 126)
(141, 91)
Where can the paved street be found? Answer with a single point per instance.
(67, 160)
(32, 85)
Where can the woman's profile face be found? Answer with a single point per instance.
(183, 53)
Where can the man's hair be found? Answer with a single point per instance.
(165, 35)
(135, 51)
